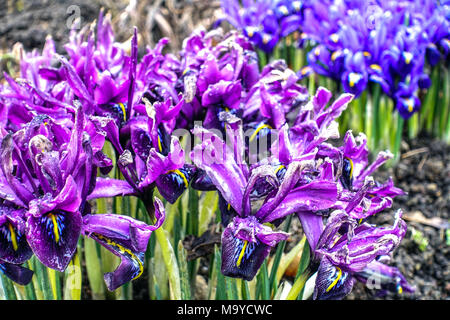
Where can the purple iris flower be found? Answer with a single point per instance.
(246, 240)
(274, 95)
(282, 189)
(307, 137)
(47, 175)
(14, 248)
(372, 196)
(216, 76)
(347, 249)
(43, 178)
(257, 21)
(355, 78)
(264, 22)
(407, 101)
(118, 93)
(384, 278)
(125, 237)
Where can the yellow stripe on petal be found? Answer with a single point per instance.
(13, 236)
(122, 250)
(375, 67)
(159, 144)
(351, 167)
(334, 37)
(258, 129)
(305, 70)
(335, 280)
(55, 226)
(317, 51)
(335, 55)
(410, 104)
(266, 38)
(124, 111)
(353, 78)
(284, 10)
(241, 255)
(181, 174)
(279, 168)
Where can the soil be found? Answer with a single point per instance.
(30, 21)
(423, 171)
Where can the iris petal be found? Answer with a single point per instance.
(172, 184)
(241, 258)
(332, 283)
(54, 237)
(13, 244)
(131, 265)
(16, 273)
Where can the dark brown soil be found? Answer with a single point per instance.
(30, 21)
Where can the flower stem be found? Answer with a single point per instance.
(277, 259)
(398, 137)
(375, 116)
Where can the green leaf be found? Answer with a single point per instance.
(273, 280)
(208, 206)
(298, 286)
(170, 262)
(245, 291)
(287, 259)
(53, 277)
(44, 283)
(212, 281)
(94, 269)
(220, 293)
(7, 291)
(72, 283)
(231, 286)
(184, 276)
(263, 282)
(35, 281)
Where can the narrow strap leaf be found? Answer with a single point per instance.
(184, 276)
(72, 288)
(170, 261)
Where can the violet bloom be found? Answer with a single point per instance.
(154, 158)
(42, 177)
(387, 42)
(346, 248)
(48, 172)
(356, 170)
(257, 20)
(407, 101)
(116, 90)
(273, 96)
(355, 78)
(125, 237)
(218, 70)
(384, 278)
(14, 249)
(248, 238)
(307, 138)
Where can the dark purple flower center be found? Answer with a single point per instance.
(54, 225)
